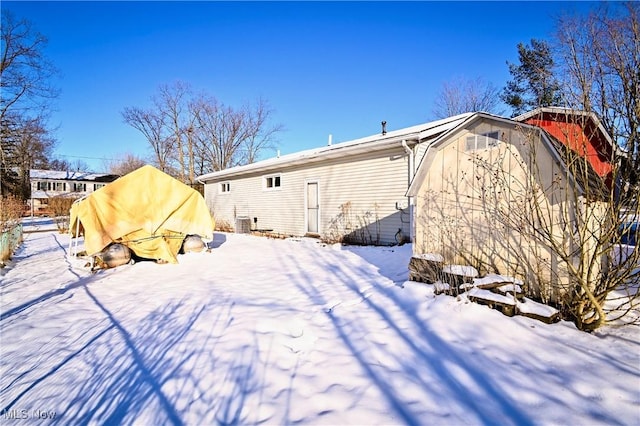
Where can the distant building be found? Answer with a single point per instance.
(46, 184)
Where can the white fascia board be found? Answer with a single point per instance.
(306, 157)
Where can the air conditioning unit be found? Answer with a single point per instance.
(243, 225)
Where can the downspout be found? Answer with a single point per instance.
(411, 173)
(411, 155)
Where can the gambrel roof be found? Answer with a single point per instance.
(557, 149)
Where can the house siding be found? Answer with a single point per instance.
(357, 197)
(457, 198)
(585, 144)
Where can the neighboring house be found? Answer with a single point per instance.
(46, 184)
(488, 189)
(351, 191)
(581, 131)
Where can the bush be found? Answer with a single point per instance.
(11, 209)
(223, 226)
(60, 207)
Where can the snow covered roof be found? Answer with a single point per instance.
(71, 175)
(367, 144)
(444, 138)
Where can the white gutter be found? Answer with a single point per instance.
(409, 151)
(362, 145)
(313, 155)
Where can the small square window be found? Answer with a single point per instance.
(272, 182)
(225, 187)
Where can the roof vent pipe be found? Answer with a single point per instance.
(278, 154)
(384, 127)
(330, 139)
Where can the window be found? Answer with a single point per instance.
(97, 186)
(483, 141)
(42, 186)
(78, 187)
(225, 187)
(272, 182)
(59, 186)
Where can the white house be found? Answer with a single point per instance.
(352, 191)
(46, 184)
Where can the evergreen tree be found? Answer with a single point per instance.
(533, 84)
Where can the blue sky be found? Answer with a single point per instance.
(335, 68)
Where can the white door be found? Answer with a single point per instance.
(313, 208)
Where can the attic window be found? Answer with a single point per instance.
(483, 141)
(272, 182)
(225, 187)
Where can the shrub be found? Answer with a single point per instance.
(11, 209)
(60, 207)
(223, 226)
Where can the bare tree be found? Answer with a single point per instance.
(601, 73)
(198, 133)
(228, 137)
(77, 164)
(25, 73)
(26, 94)
(124, 164)
(26, 145)
(462, 95)
(535, 209)
(152, 125)
(172, 104)
(260, 135)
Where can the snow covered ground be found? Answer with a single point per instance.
(289, 331)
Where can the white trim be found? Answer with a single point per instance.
(276, 184)
(485, 138)
(306, 205)
(225, 184)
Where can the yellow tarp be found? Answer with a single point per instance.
(147, 210)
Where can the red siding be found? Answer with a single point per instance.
(576, 137)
